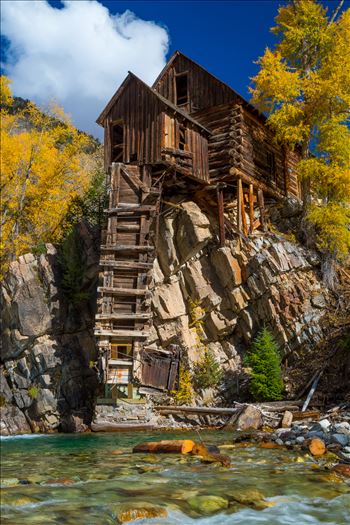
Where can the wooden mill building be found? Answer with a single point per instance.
(189, 126)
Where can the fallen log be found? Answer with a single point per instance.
(317, 447)
(210, 454)
(120, 427)
(195, 410)
(181, 446)
(314, 414)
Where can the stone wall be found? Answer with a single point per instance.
(47, 345)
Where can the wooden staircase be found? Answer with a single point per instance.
(127, 253)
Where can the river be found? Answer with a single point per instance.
(87, 479)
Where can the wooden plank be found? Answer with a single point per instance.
(133, 179)
(116, 317)
(126, 247)
(127, 265)
(244, 218)
(130, 209)
(121, 291)
(121, 333)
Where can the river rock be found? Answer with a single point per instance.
(250, 418)
(207, 504)
(341, 439)
(138, 513)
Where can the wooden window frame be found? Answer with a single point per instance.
(120, 123)
(177, 76)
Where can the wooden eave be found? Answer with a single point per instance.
(132, 77)
(242, 99)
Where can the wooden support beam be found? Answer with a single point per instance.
(236, 172)
(239, 205)
(262, 209)
(251, 208)
(244, 218)
(134, 180)
(220, 197)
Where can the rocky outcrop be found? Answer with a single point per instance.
(263, 280)
(47, 345)
(48, 350)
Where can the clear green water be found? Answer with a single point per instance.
(100, 483)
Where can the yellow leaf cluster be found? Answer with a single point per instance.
(304, 85)
(44, 167)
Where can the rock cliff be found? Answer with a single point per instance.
(240, 287)
(48, 378)
(47, 382)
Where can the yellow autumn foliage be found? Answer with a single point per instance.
(44, 167)
(304, 86)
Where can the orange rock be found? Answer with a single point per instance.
(343, 469)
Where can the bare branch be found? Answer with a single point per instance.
(335, 12)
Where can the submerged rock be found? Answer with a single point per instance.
(207, 504)
(140, 513)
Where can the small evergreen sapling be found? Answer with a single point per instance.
(265, 362)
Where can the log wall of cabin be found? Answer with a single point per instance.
(256, 153)
(204, 90)
(240, 139)
(219, 121)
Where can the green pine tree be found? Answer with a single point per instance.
(265, 362)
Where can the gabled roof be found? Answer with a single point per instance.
(132, 77)
(178, 53)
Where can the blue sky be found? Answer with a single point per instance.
(64, 53)
(224, 36)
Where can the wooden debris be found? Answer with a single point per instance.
(287, 419)
(210, 454)
(181, 446)
(313, 414)
(317, 447)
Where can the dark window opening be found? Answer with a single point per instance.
(182, 138)
(181, 82)
(117, 143)
(270, 160)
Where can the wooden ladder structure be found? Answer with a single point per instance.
(123, 314)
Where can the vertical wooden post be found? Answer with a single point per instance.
(251, 208)
(239, 205)
(262, 209)
(220, 197)
(244, 218)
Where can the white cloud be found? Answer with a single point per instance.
(79, 54)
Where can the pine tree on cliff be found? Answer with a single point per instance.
(265, 362)
(304, 87)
